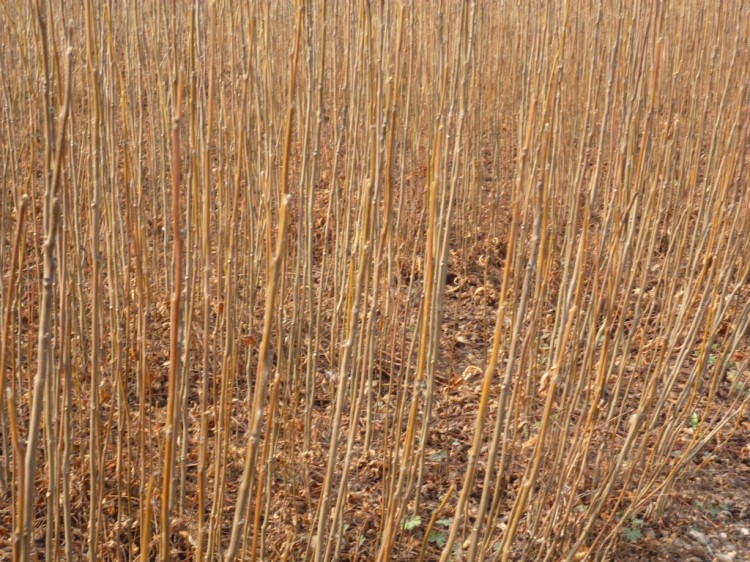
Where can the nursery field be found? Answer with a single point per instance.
(325, 280)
